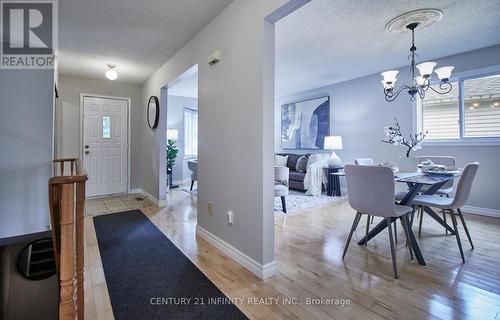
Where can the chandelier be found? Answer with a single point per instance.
(418, 84)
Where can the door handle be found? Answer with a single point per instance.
(87, 152)
(86, 146)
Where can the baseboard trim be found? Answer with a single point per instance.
(158, 203)
(495, 213)
(262, 271)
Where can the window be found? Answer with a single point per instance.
(470, 111)
(190, 133)
(106, 127)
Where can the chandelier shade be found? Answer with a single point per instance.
(419, 82)
(426, 68)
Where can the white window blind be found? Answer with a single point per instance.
(480, 100)
(190, 133)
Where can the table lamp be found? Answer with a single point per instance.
(333, 143)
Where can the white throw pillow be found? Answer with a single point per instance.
(280, 160)
(313, 158)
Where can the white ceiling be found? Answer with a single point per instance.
(328, 41)
(136, 36)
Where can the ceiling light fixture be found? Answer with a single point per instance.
(111, 73)
(418, 84)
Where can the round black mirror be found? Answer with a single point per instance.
(36, 260)
(153, 112)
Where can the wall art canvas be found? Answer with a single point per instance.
(305, 124)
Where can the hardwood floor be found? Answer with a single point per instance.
(309, 247)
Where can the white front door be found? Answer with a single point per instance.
(105, 145)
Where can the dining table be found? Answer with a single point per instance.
(415, 182)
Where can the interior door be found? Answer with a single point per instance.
(105, 145)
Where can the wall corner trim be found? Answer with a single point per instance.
(262, 271)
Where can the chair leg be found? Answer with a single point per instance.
(192, 184)
(367, 228)
(283, 203)
(354, 225)
(465, 227)
(372, 219)
(455, 228)
(444, 219)
(421, 220)
(393, 253)
(412, 216)
(405, 223)
(395, 232)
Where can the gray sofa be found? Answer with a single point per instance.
(296, 179)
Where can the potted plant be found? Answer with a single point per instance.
(394, 136)
(171, 156)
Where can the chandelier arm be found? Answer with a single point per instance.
(444, 87)
(394, 94)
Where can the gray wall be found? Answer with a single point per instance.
(236, 120)
(359, 114)
(68, 116)
(175, 120)
(26, 123)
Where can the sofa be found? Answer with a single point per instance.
(296, 179)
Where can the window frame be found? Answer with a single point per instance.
(191, 110)
(462, 140)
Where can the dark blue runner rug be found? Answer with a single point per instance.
(148, 277)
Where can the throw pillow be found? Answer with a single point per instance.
(280, 160)
(301, 164)
(313, 158)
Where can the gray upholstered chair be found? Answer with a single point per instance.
(451, 204)
(445, 190)
(370, 190)
(369, 162)
(193, 166)
(281, 176)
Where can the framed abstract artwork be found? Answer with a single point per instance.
(305, 124)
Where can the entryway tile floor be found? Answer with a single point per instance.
(95, 206)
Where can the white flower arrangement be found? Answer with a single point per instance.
(394, 136)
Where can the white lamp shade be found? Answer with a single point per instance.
(426, 68)
(444, 72)
(333, 143)
(420, 80)
(386, 86)
(111, 74)
(172, 134)
(390, 76)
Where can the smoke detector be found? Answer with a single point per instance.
(422, 17)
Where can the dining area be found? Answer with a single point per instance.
(388, 198)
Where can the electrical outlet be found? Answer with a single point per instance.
(230, 217)
(210, 208)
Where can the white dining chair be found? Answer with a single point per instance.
(370, 191)
(444, 191)
(453, 204)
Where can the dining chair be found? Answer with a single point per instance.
(281, 176)
(444, 191)
(399, 196)
(370, 191)
(453, 204)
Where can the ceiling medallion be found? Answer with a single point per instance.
(424, 18)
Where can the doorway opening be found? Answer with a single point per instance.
(182, 131)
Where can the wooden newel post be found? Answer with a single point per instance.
(80, 214)
(67, 306)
